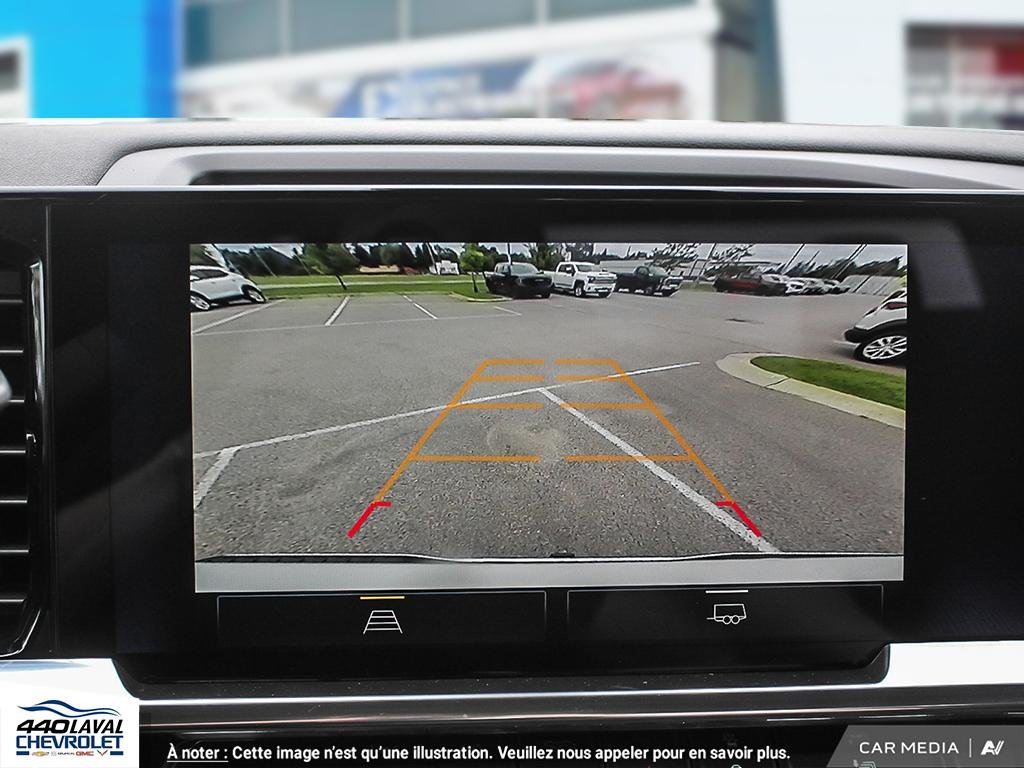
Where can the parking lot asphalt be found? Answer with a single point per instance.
(532, 428)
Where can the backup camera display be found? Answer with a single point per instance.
(447, 414)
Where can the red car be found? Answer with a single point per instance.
(747, 280)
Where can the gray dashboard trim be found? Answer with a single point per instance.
(74, 153)
(921, 679)
(181, 166)
(270, 577)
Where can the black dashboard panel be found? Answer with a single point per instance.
(112, 539)
(124, 351)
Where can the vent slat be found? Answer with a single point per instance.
(17, 350)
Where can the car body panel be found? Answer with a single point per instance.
(219, 284)
(648, 280)
(747, 280)
(517, 279)
(590, 277)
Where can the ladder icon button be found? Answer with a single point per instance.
(382, 621)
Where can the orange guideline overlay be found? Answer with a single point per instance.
(618, 374)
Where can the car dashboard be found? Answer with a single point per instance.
(389, 471)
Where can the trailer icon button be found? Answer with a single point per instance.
(728, 613)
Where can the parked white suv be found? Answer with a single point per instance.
(581, 278)
(881, 335)
(215, 285)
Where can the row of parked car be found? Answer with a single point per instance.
(580, 278)
(746, 280)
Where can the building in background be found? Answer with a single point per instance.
(876, 62)
(115, 58)
(684, 59)
(903, 62)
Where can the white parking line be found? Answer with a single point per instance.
(421, 309)
(210, 476)
(423, 411)
(511, 312)
(704, 504)
(232, 317)
(353, 323)
(338, 311)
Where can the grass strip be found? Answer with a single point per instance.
(881, 387)
(355, 289)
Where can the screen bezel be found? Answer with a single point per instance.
(164, 616)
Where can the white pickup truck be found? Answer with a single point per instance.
(581, 278)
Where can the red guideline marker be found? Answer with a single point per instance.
(366, 516)
(743, 516)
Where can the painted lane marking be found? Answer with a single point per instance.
(338, 311)
(704, 504)
(509, 311)
(210, 476)
(743, 515)
(356, 323)
(422, 309)
(418, 412)
(233, 317)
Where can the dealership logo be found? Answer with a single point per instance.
(58, 728)
(993, 747)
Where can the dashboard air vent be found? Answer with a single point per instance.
(17, 452)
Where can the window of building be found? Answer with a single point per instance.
(10, 71)
(218, 31)
(573, 9)
(439, 17)
(965, 77)
(317, 24)
(14, 85)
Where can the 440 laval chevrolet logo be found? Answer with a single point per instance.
(55, 727)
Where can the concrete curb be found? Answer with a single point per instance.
(479, 301)
(739, 365)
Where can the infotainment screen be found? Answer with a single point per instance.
(448, 415)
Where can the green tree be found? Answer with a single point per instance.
(339, 259)
(200, 254)
(475, 259)
(581, 251)
(393, 254)
(243, 262)
(546, 256)
(675, 254)
(366, 256)
(493, 254)
(421, 256)
(329, 258)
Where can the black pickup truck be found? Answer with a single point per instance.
(649, 280)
